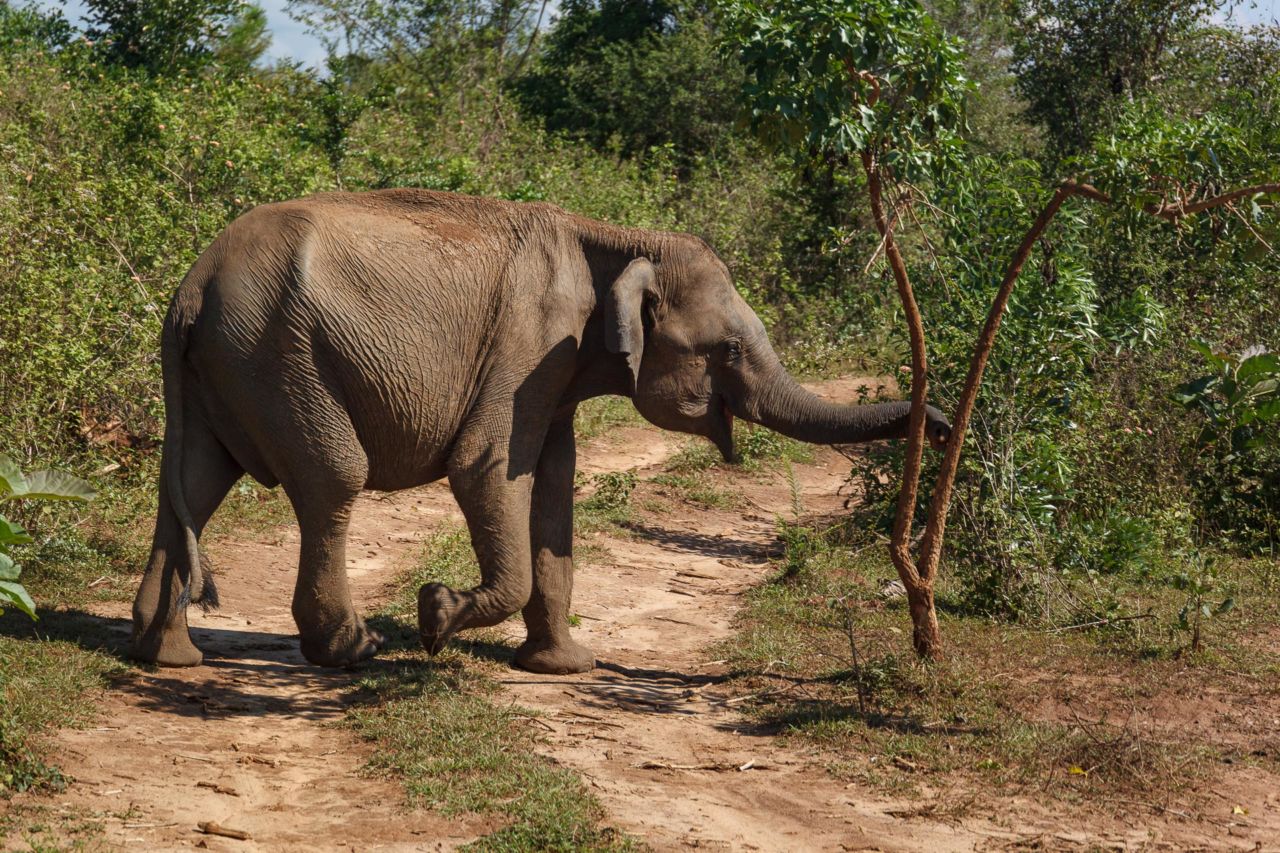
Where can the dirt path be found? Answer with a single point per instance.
(247, 740)
(255, 719)
(673, 761)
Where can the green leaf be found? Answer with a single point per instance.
(9, 570)
(15, 594)
(56, 486)
(11, 479)
(1258, 365)
(1227, 605)
(12, 533)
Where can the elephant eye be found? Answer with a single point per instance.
(733, 350)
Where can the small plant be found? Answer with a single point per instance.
(1202, 586)
(609, 504)
(613, 490)
(38, 485)
(1238, 397)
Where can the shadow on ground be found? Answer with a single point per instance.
(702, 544)
(244, 672)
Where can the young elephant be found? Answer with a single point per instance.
(385, 340)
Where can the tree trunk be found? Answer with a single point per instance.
(925, 636)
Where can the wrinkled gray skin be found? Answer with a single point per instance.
(384, 340)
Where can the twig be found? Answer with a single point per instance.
(208, 827)
(1098, 622)
(221, 789)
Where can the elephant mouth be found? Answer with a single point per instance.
(722, 429)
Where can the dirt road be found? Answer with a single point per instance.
(247, 740)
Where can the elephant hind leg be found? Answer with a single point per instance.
(160, 633)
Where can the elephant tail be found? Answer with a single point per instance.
(199, 588)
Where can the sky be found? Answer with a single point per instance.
(290, 39)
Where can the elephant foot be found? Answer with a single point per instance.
(166, 647)
(438, 607)
(554, 657)
(344, 647)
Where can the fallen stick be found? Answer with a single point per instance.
(221, 789)
(208, 827)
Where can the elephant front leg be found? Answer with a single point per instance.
(549, 648)
(494, 499)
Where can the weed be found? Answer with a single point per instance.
(447, 558)
(698, 489)
(609, 505)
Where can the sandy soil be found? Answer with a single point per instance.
(247, 740)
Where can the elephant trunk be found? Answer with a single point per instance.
(778, 402)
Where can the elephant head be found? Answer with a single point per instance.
(698, 357)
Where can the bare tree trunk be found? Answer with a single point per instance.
(918, 583)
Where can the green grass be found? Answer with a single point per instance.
(595, 417)
(608, 506)
(44, 685)
(759, 449)
(1022, 706)
(442, 729)
(697, 488)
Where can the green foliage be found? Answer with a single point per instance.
(168, 36)
(1077, 60)
(245, 42)
(1239, 398)
(802, 61)
(1238, 478)
(613, 490)
(30, 26)
(38, 486)
(634, 75)
(1200, 584)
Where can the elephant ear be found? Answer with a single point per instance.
(624, 309)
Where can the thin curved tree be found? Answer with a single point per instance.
(878, 83)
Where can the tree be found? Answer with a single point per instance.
(161, 36)
(1078, 60)
(245, 42)
(881, 81)
(641, 73)
(428, 50)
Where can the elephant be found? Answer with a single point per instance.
(383, 340)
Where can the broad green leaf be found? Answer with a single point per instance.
(9, 570)
(56, 486)
(15, 594)
(11, 479)
(1190, 392)
(12, 533)
(1258, 365)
